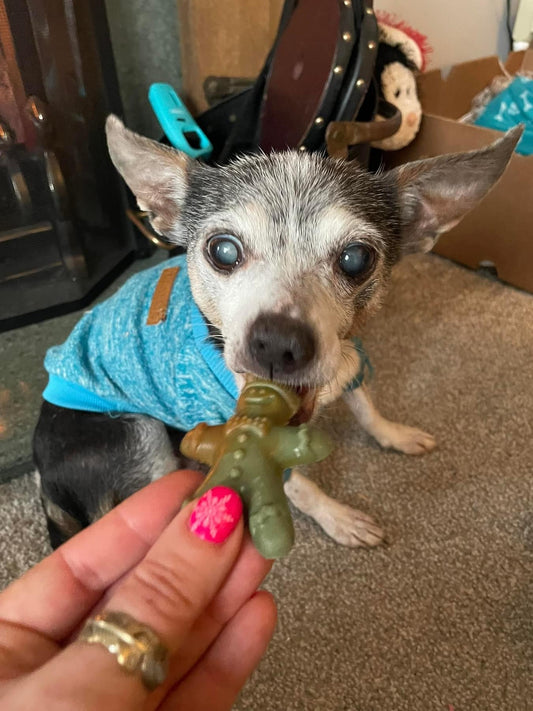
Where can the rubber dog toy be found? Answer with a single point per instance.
(249, 454)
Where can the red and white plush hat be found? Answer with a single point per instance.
(413, 44)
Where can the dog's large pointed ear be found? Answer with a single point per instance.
(436, 193)
(156, 174)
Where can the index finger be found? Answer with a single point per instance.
(57, 594)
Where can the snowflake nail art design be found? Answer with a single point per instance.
(216, 514)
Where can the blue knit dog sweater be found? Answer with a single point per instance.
(113, 361)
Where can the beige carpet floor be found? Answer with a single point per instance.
(441, 618)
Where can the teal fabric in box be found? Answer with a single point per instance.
(512, 106)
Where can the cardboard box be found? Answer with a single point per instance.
(500, 230)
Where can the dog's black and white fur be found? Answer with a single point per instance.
(292, 215)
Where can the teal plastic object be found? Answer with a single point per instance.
(177, 123)
(510, 107)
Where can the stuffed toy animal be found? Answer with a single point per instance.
(402, 53)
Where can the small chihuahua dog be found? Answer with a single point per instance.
(286, 256)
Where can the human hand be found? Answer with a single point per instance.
(142, 558)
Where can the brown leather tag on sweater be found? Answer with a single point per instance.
(161, 297)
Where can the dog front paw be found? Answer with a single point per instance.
(348, 526)
(408, 440)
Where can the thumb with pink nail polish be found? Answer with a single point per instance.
(216, 514)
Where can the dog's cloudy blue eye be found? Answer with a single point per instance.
(225, 251)
(356, 259)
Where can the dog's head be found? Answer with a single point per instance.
(288, 253)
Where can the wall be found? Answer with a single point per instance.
(458, 30)
(145, 41)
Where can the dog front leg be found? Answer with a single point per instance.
(345, 525)
(409, 440)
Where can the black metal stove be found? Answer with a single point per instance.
(63, 230)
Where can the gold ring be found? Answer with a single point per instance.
(136, 647)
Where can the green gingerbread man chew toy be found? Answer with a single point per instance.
(249, 454)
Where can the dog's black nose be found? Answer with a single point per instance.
(280, 345)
